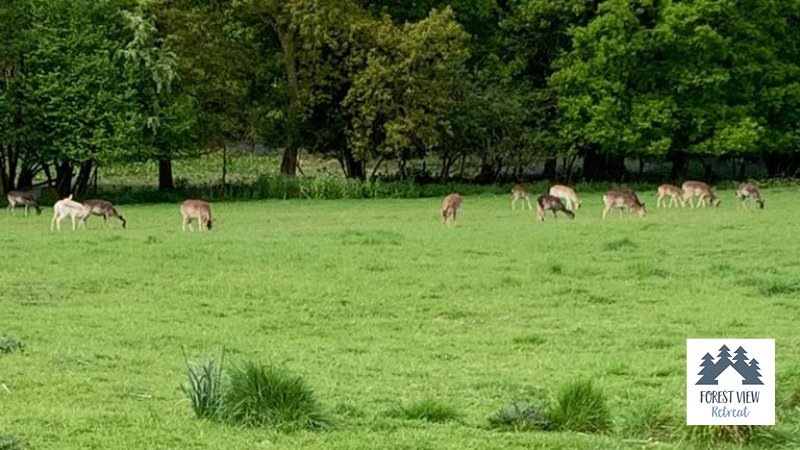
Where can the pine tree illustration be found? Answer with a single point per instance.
(754, 374)
(708, 371)
(740, 362)
(724, 357)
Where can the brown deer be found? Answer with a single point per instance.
(519, 192)
(26, 198)
(748, 190)
(547, 202)
(567, 195)
(693, 189)
(451, 205)
(623, 198)
(196, 210)
(675, 193)
(68, 207)
(102, 208)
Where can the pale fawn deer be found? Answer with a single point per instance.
(196, 210)
(519, 192)
(102, 208)
(622, 198)
(547, 202)
(451, 205)
(25, 198)
(675, 193)
(567, 195)
(68, 207)
(699, 189)
(748, 190)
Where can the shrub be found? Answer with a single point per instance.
(429, 410)
(10, 344)
(580, 407)
(520, 417)
(205, 388)
(265, 395)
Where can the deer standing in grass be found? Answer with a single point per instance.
(567, 195)
(68, 207)
(196, 210)
(622, 198)
(519, 192)
(693, 189)
(552, 203)
(675, 193)
(26, 198)
(747, 190)
(102, 208)
(451, 205)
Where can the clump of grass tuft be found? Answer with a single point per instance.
(205, 389)
(9, 442)
(794, 398)
(10, 344)
(780, 287)
(581, 407)
(531, 339)
(266, 395)
(621, 244)
(648, 421)
(520, 417)
(715, 434)
(556, 269)
(429, 410)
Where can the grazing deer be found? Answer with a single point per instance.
(196, 210)
(622, 198)
(101, 208)
(702, 190)
(26, 198)
(519, 192)
(566, 194)
(747, 190)
(675, 193)
(552, 203)
(68, 207)
(451, 205)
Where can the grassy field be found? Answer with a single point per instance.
(377, 305)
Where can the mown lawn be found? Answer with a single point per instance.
(376, 304)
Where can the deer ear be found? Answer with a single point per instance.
(70, 197)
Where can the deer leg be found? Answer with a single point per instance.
(529, 203)
(53, 222)
(605, 211)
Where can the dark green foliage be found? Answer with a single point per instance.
(10, 344)
(9, 442)
(205, 390)
(580, 406)
(520, 417)
(269, 396)
(429, 410)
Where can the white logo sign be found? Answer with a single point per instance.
(730, 381)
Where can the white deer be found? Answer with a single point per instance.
(68, 207)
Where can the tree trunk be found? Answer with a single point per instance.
(593, 164)
(444, 174)
(165, 179)
(286, 37)
(64, 179)
(84, 176)
(678, 159)
(352, 167)
(550, 169)
(289, 160)
(25, 178)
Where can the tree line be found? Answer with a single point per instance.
(580, 85)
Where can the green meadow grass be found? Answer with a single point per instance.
(377, 306)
